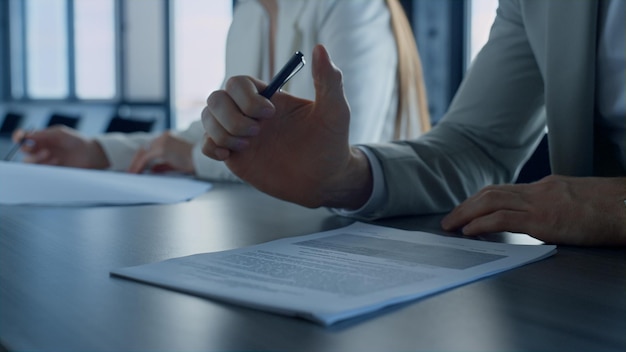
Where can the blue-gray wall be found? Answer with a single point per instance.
(439, 27)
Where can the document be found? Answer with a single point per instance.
(335, 275)
(29, 184)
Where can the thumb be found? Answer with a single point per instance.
(328, 80)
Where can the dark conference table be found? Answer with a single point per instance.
(56, 293)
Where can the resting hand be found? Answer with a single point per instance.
(556, 209)
(291, 148)
(62, 146)
(166, 153)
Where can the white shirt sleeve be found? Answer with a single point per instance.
(120, 148)
(379, 191)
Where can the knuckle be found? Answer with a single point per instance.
(486, 190)
(219, 137)
(489, 193)
(238, 126)
(234, 82)
(214, 98)
(210, 127)
(206, 118)
(552, 182)
(552, 177)
(338, 75)
(209, 149)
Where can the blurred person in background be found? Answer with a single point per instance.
(373, 45)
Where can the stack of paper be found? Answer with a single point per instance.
(51, 185)
(335, 275)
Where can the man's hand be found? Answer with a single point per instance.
(291, 148)
(62, 146)
(556, 209)
(166, 153)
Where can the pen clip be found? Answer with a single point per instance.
(292, 67)
(293, 73)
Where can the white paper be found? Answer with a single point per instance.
(29, 184)
(339, 274)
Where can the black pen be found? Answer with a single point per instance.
(289, 70)
(17, 146)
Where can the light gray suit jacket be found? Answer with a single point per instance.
(537, 70)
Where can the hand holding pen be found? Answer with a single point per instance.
(62, 146)
(20, 137)
(291, 148)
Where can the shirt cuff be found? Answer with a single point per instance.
(120, 148)
(379, 191)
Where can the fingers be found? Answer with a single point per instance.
(489, 200)
(331, 104)
(145, 158)
(327, 77)
(232, 116)
(169, 151)
(211, 150)
(140, 161)
(245, 93)
(556, 209)
(39, 146)
(18, 135)
(226, 124)
(41, 156)
(241, 103)
(38, 140)
(35, 152)
(499, 221)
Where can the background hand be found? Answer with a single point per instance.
(62, 146)
(293, 149)
(556, 209)
(166, 153)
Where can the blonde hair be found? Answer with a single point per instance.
(412, 116)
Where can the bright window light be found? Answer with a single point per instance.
(46, 48)
(94, 30)
(482, 13)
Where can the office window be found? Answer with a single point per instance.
(200, 29)
(481, 16)
(163, 55)
(46, 45)
(145, 50)
(68, 49)
(94, 28)
(14, 70)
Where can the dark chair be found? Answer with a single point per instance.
(538, 166)
(129, 125)
(10, 123)
(65, 120)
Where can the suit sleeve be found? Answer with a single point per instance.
(492, 126)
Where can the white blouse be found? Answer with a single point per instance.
(360, 40)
